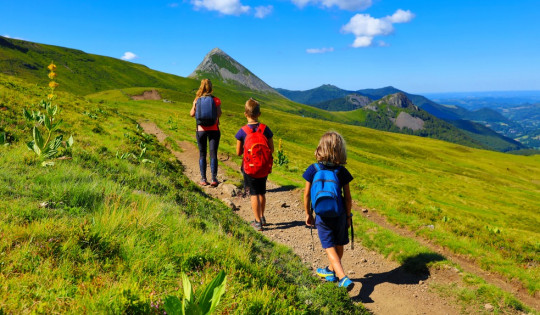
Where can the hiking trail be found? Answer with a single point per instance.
(380, 284)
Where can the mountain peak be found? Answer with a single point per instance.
(399, 100)
(218, 51)
(217, 65)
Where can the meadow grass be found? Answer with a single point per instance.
(482, 204)
(102, 234)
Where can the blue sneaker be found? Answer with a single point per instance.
(345, 282)
(325, 272)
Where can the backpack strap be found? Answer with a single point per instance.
(317, 166)
(247, 129)
(261, 128)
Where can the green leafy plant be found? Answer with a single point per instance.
(45, 123)
(282, 159)
(172, 124)
(4, 139)
(140, 157)
(197, 304)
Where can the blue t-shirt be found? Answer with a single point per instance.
(241, 134)
(344, 176)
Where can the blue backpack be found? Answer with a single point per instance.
(325, 191)
(206, 111)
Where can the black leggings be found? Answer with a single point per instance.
(211, 137)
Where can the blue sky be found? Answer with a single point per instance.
(418, 46)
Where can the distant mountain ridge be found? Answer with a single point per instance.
(330, 97)
(218, 65)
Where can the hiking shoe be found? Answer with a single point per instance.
(257, 225)
(214, 183)
(203, 182)
(325, 272)
(345, 282)
(263, 221)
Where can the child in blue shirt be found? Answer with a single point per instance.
(333, 232)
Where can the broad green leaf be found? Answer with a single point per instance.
(27, 115)
(173, 305)
(208, 296)
(36, 149)
(218, 293)
(47, 163)
(30, 145)
(38, 139)
(47, 121)
(57, 124)
(188, 290)
(146, 161)
(69, 142)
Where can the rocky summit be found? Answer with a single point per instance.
(217, 65)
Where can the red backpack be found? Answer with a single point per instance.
(258, 159)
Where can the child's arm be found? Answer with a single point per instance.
(271, 145)
(218, 111)
(348, 202)
(239, 148)
(307, 205)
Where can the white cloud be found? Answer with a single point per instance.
(7, 36)
(129, 56)
(401, 16)
(227, 7)
(351, 5)
(262, 11)
(319, 50)
(365, 27)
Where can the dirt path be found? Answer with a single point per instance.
(381, 285)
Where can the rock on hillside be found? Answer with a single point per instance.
(399, 100)
(217, 65)
(358, 100)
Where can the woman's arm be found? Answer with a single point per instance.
(310, 221)
(219, 111)
(192, 111)
(239, 148)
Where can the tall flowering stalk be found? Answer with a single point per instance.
(282, 159)
(45, 123)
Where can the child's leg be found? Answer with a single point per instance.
(334, 256)
(262, 204)
(255, 206)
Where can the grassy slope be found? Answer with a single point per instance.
(116, 234)
(465, 193)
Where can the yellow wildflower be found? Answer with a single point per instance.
(52, 75)
(53, 84)
(50, 96)
(280, 143)
(52, 67)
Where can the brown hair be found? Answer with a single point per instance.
(205, 88)
(252, 108)
(332, 149)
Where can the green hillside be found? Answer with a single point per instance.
(482, 204)
(106, 233)
(86, 228)
(79, 72)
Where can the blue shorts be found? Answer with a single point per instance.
(332, 231)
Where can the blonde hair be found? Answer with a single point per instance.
(332, 149)
(252, 108)
(205, 88)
